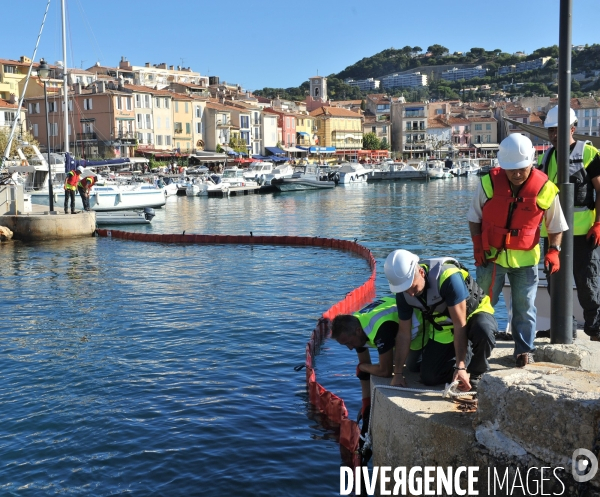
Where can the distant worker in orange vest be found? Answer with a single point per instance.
(70, 188)
(84, 187)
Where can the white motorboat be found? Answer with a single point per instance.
(352, 172)
(465, 167)
(125, 217)
(109, 197)
(436, 170)
(258, 169)
(398, 170)
(234, 177)
(198, 187)
(306, 177)
(542, 302)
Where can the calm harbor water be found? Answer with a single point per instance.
(164, 369)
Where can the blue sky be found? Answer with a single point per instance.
(280, 44)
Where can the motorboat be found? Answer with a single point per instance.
(109, 197)
(390, 170)
(258, 169)
(198, 187)
(436, 170)
(267, 182)
(542, 302)
(144, 216)
(234, 177)
(352, 172)
(465, 167)
(306, 177)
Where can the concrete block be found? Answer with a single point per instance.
(582, 354)
(50, 227)
(544, 410)
(419, 430)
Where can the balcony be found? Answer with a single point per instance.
(86, 136)
(411, 114)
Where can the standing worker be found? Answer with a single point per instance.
(459, 317)
(70, 187)
(504, 221)
(584, 172)
(84, 186)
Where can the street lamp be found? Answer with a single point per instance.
(44, 75)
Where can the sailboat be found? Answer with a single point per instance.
(107, 197)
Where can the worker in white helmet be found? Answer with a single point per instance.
(584, 173)
(504, 219)
(457, 317)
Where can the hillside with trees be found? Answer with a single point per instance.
(539, 82)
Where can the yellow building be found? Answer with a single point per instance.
(183, 121)
(305, 130)
(339, 128)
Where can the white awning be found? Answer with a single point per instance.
(293, 149)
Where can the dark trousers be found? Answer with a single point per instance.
(85, 198)
(586, 273)
(437, 360)
(69, 194)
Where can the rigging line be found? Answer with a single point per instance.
(97, 48)
(14, 126)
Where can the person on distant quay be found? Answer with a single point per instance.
(584, 172)
(84, 186)
(504, 220)
(458, 322)
(70, 187)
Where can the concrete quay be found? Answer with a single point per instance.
(40, 224)
(534, 417)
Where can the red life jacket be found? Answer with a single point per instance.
(72, 180)
(87, 182)
(512, 222)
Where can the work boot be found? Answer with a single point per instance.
(595, 338)
(524, 359)
(66, 212)
(74, 212)
(474, 380)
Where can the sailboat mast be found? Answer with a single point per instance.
(65, 79)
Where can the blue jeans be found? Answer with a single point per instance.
(523, 288)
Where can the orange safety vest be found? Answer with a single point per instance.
(87, 182)
(509, 221)
(72, 180)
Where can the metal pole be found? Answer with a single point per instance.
(50, 193)
(65, 80)
(561, 299)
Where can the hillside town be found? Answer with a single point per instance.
(159, 111)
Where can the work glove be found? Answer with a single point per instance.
(362, 375)
(594, 234)
(478, 252)
(552, 261)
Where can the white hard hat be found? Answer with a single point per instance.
(400, 267)
(80, 169)
(552, 118)
(515, 152)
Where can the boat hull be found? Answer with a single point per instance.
(299, 184)
(108, 199)
(121, 218)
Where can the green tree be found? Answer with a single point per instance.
(25, 137)
(437, 50)
(417, 49)
(371, 142)
(384, 145)
(238, 144)
(478, 52)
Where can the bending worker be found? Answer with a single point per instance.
(71, 187)
(84, 186)
(504, 221)
(376, 326)
(458, 316)
(584, 172)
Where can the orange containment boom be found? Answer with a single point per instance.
(329, 404)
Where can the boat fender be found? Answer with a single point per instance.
(119, 197)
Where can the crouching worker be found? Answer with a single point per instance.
(375, 326)
(459, 324)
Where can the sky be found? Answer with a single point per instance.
(279, 44)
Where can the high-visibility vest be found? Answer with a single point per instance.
(584, 207)
(381, 311)
(510, 224)
(87, 182)
(439, 325)
(72, 180)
